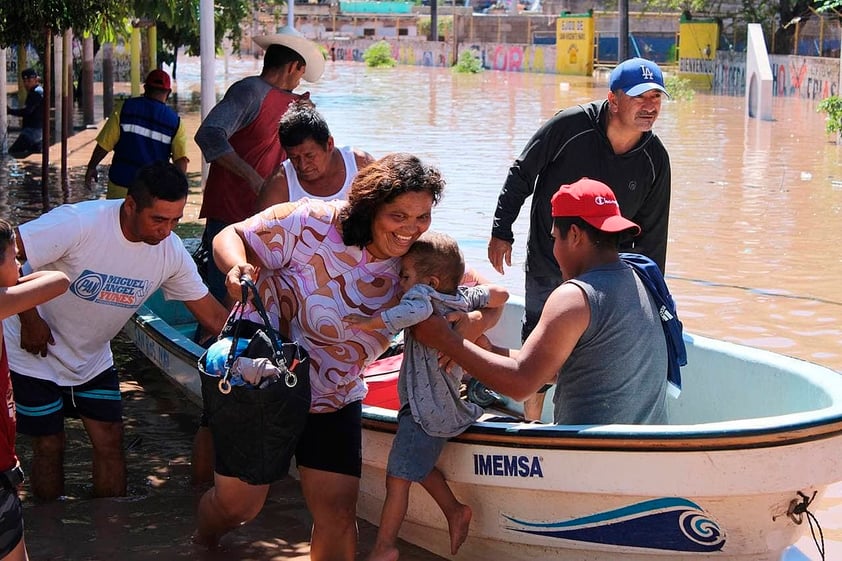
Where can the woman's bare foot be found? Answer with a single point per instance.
(210, 542)
(458, 524)
(383, 554)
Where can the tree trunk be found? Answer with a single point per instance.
(66, 106)
(4, 123)
(45, 146)
(107, 79)
(88, 80)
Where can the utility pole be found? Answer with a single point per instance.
(623, 30)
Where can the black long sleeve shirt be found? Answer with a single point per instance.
(571, 145)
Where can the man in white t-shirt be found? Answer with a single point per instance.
(116, 254)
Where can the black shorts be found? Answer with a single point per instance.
(11, 521)
(333, 441)
(42, 405)
(330, 442)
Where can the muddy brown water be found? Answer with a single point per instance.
(753, 258)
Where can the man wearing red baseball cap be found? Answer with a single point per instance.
(599, 337)
(140, 131)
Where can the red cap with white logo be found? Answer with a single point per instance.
(594, 202)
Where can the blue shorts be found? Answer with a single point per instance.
(42, 405)
(414, 452)
(11, 521)
(333, 441)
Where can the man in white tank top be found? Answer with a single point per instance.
(315, 168)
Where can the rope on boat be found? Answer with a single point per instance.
(796, 512)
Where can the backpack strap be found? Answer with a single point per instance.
(652, 278)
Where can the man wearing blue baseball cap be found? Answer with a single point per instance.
(609, 140)
(637, 76)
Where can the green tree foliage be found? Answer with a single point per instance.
(832, 106)
(779, 15)
(25, 22)
(444, 26)
(379, 55)
(178, 22)
(829, 6)
(679, 88)
(468, 63)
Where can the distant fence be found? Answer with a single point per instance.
(807, 77)
(813, 78)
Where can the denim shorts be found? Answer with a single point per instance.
(414, 452)
(215, 278)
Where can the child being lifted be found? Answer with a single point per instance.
(431, 408)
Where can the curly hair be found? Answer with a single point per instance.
(7, 237)
(379, 183)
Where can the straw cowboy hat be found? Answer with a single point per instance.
(289, 37)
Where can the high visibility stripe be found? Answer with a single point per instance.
(147, 132)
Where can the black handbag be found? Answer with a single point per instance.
(255, 429)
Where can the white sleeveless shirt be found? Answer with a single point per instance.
(297, 191)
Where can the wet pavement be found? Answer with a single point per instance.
(157, 519)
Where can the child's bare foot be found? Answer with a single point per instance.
(383, 554)
(458, 525)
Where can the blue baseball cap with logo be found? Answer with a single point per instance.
(637, 76)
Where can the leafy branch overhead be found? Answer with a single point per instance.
(26, 22)
(177, 20)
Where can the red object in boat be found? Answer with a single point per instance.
(382, 379)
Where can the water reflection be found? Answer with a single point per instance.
(20, 189)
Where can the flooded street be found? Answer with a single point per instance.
(753, 258)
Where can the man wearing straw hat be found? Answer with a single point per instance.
(239, 137)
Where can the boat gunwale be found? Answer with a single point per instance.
(653, 438)
(567, 437)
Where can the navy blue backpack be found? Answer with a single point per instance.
(653, 280)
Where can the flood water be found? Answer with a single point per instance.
(753, 253)
(753, 258)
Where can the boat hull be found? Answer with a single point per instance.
(753, 434)
(578, 504)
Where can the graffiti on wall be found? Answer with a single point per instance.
(347, 54)
(811, 78)
(797, 78)
(493, 56)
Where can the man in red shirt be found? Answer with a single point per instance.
(239, 137)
